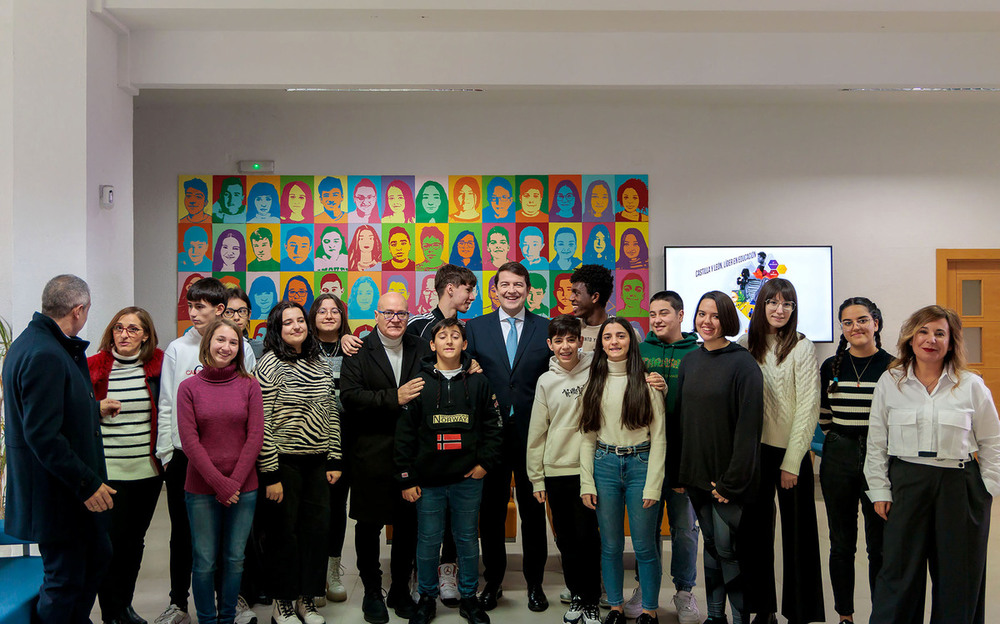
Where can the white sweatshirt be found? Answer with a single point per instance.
(180, 361)
(554, 436)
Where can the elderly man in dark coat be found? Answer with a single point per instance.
(375, 384)
(57, 485)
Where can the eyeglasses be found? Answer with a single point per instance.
(862, 322)
(787, 306)
(390, 315)
(132, 330)
(231, 312)
(329, 312)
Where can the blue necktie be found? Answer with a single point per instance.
(512, 341)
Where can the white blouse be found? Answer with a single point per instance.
(941, 428)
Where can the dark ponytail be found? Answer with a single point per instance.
(843, 346)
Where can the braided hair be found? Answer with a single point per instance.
(843, 346)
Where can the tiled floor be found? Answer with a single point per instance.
(151, 592)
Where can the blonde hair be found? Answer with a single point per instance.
(955, 357)
(204, 351)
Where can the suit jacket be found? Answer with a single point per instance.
(371, 408)
(512, 385)
(55, 453)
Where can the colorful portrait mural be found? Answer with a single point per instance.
(358, 236)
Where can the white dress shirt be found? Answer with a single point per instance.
(942, 428)
(505, 324)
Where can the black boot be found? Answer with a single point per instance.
(472, 610)
(426, 610)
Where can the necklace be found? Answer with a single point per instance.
(329, 352)
(856, 374)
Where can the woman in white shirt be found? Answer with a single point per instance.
(787, 360)
(930, 414)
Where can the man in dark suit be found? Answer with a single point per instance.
(510, 346)
(376, 383)
(57, 485)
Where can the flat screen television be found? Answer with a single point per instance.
(741, 271)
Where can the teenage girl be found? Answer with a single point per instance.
(717, 454)
(847, 381)
(622, 464)
(791, 409)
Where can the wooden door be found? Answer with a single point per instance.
(968, 282)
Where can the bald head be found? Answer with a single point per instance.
(391, 325)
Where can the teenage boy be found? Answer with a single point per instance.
(553, 465)
(456, 289)
(206, 300)
(662, 352)
(446, 442)
(592, 287)
(510, 345)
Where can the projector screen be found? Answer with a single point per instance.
(741, 271)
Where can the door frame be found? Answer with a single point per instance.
(946, 255)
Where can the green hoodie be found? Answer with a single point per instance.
(665, 358)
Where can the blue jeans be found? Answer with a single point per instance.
(683, 539)
(463, 499)
(619, 481)
(218, 533)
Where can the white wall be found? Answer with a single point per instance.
(109, 161)
(6, 153)
(884, 183)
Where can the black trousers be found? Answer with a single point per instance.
(295, 540)
(253, 584)
(493, 515)
(338, 516)
(939, 520)
(135, 503)
(802, 586)
(180, 530)
(74, 569)
(844, 487)
(579, 540)
(724, 574)
(402, 562)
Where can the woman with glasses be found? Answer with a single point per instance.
(847, 382)
(125, 373)
(328, 318)
(791, 409)
(238, 310)
(301, 455)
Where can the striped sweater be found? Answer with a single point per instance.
(126, 435)
(300, 412)
(846, 409)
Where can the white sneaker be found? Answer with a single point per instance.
(591, 614)
(634, 605)
(687, 608)
(306, 609)
(575, 612)
(284, 613)
(335, 589)
(565, 596)
(173, 615)
(448, 584)
(244, 614)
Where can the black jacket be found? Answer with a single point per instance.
(453, 426)
(53, 434)
(368, 391)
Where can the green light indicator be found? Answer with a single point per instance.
(256, 165)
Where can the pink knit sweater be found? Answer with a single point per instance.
(220, 416)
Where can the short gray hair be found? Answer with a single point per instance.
(62, 294)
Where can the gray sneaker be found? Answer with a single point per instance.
(244, 614)
(633, 607)
(173, 615)
(687, 608)
(565, 596)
